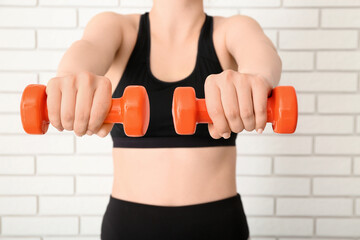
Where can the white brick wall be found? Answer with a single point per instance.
(294, 187)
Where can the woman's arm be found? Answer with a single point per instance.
(237, 100)
(252, 50)
(79, 97)
(95, 51)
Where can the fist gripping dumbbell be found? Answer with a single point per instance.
(132, 110)
(187, 110)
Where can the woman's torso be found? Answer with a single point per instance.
(172, 176)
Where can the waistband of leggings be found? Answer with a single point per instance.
(233, 200)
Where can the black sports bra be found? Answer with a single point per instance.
(161, 131)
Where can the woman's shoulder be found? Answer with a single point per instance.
(235, 21)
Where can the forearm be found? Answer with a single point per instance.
(84, 56)
(263, 61)
(252, 50)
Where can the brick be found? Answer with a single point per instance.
(273, 186)
(258, 206)
(338, 60)
(36, 144)
(94, 185)
(86, 14)
(14, 38)
(357, 165)
(90, 225)
(17, 205)
(17, 165)
(258, 238)
(313, 165)
(336, 186)
(318, 39)
(26, 238)
(74, 164)
(37, 17)
(136, 3)
(44, 77)
(29, 60)
(74, 205)
(306, 103)
(321, 3)
(94, 144)
(235, 3)
(320, 238)
(340, 18)
(320, 81)
(295, 61)
(338, 227)
(274, 145)
(18, 3)
(337, 145)
(11, 123)
(21, 185)
(280, 226)
(358, 124)
(40, 225)
(285, 18)
(339, 103)
(357, 207)
(57, 39)
(10, 102)
(272, 35)
(325, 124)
(313, 207)
(70, 238)
(95, 3)
(246, 165)
(16, 82)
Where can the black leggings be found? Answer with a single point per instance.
(222, 219)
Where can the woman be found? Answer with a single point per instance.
(169, 186)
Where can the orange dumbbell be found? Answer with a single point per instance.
(187, 110)
(132, 110)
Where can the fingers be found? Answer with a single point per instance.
(84, 99)
(220, 126)
(230, 104)
(260, 98)
(68, 100)
(53, 104)
(80, 102)
(100, 106)
(236, 101)
(243, 89)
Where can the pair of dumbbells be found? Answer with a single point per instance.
(133, 110)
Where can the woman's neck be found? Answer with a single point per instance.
(176, 19)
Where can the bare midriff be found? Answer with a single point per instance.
(174, 176)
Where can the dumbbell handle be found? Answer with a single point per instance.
(114, 115)
(203, 116)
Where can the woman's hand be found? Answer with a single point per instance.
(80, 102)
(236, 101)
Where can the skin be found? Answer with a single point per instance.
(79, 97)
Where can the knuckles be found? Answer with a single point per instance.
(67, 117)
(228, 75)
(246, 113)
(233, 115)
